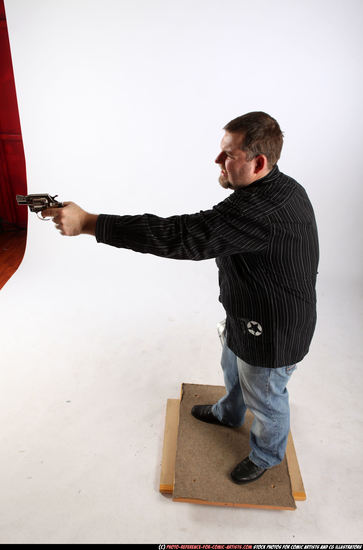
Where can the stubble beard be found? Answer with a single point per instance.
(224, 182)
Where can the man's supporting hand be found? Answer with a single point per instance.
(72, 220)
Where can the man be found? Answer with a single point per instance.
(265, 242)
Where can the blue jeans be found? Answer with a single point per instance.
(263, 391)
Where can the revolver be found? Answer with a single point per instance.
(39, 202)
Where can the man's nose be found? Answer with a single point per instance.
(220, 158)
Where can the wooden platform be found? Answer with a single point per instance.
(197, 459)
(12, 248)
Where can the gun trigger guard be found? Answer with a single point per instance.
(43, 219)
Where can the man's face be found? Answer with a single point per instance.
(236, 171)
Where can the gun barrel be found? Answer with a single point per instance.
(21, 199)
(39, 201)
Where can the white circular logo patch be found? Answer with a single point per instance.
(254, 328)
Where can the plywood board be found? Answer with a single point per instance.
(273, 484)
(169, 447)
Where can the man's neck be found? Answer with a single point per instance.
(262, 174)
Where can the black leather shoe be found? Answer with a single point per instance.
(204, 413)
(246, 471)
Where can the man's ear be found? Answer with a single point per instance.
(260, 163)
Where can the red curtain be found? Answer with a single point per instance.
(12, 160)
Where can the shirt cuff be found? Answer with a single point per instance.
(104, 228)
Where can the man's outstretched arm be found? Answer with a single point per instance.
(222, 230)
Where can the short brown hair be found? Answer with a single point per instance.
(262, 135)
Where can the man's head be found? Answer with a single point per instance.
(250, 148)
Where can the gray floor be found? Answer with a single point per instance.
(87, 366)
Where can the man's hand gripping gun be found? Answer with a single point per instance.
(39, 202)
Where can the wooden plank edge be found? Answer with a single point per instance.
(299, 496)
(297, 486)
(169, 446)
(233, 504)
(166, 489)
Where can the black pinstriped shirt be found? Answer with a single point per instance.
(265, 242)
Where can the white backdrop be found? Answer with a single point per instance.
(122, 105)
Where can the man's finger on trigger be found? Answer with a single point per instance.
(48, 212)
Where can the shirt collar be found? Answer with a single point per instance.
(271, 176)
